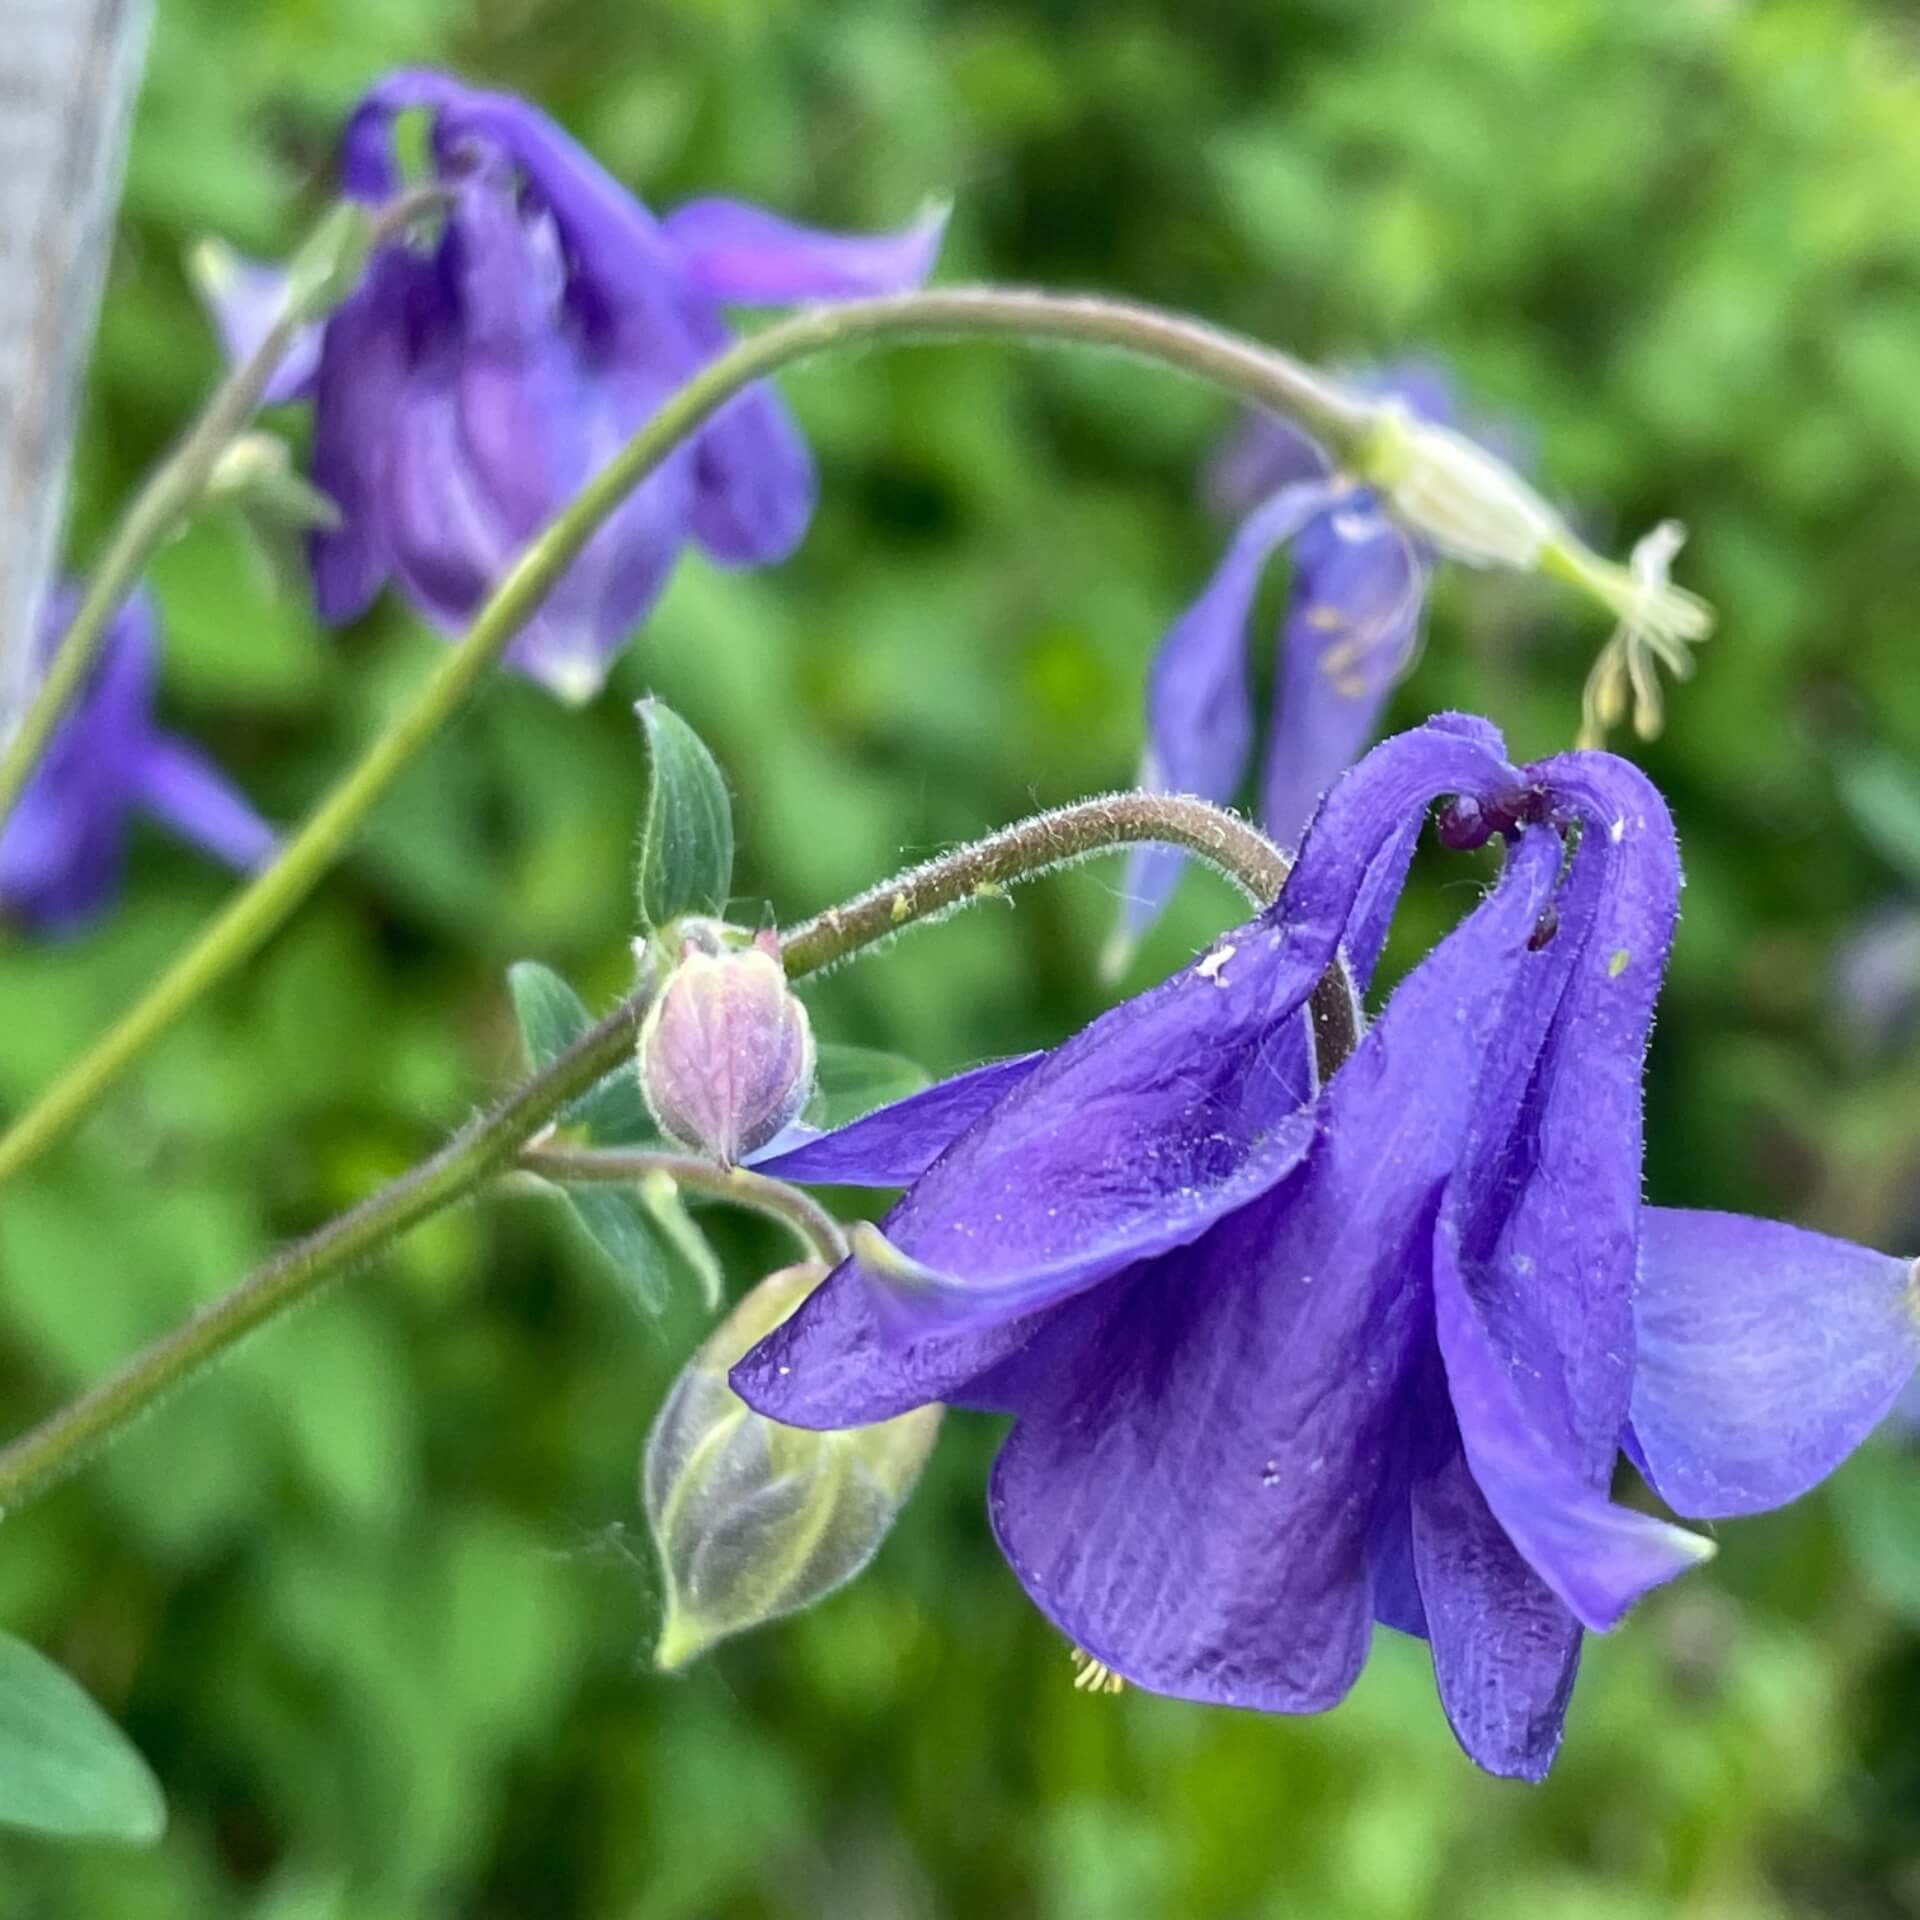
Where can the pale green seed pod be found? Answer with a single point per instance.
(751, 1519)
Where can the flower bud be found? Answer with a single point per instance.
(753, 1520)
(726, 1053)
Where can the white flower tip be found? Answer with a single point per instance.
(572, 678)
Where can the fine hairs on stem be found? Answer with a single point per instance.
(494, 1141)
(1253, 373)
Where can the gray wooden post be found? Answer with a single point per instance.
(68, 72)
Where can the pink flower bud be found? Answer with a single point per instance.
(726, 1054)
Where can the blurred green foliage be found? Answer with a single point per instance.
(373, 1599)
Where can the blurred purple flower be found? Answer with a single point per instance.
(1289, 1358)
(62, 851)
(465, 393)
(1876, 979)
(1351, 630)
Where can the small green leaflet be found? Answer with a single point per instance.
(65, 1768)
(617, 1223)
(552, 1017)
(686, 834)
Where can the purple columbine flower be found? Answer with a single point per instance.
(466, 392)
(1296, 1346)
(1351, 629)
(62, 851)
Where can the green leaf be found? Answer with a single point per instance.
(65, 1768)
(850, 1081)
(552, 1017)
(686, 837)
(620, 1226)
(671, 1220)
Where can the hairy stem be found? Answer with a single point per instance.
(63, 1442)
(1254, 373)
(815, 1228)
(171, 492)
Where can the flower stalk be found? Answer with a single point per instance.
(493, 1142)
(812, 1225)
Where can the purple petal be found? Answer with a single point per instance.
(919, 1302)
(624, 267)
(1192, 1499)
(62, 851)
(1546, 1215)
(1423, 386)
(755, 482)
(1199, 709)
(358, 391)
(894, 1145)
(245, 298)
(1505, 1650)
(1265, 453)
(456, 504)
(180, 786)
(447, 538)
(1764, 1355)
(1534, 1251)
(742, 255)
(1598, 1558)
(1103, 1145)
(1352, 628)
(514, 370)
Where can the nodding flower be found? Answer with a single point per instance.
(1303, 1339)
(1350, 632)
(471, 386)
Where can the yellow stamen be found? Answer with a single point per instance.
(1094, 1676)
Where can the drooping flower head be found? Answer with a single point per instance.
(1305, 1332)
(468, 390)
(62, 851)
(1351, 630)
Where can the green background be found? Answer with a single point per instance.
(374, 1599)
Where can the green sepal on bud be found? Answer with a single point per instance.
(753, 1520)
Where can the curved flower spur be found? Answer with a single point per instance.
(1295, 1346)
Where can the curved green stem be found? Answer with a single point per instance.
(811, 1224)
(491, 1142)
(171, 492)
(1171, 340)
